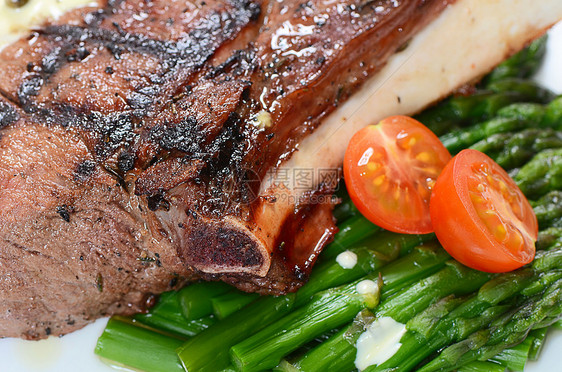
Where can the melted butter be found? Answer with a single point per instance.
(16, 22)
(379, 342)
(367, 287)
(347, 260)
(262, 120)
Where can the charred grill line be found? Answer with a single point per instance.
(116, 39)
(191, 52)
(8, 114)
(29, 89)
(186, 136)
(116, 129)
(240, 62)
(224, 172)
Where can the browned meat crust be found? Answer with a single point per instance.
(131, 158)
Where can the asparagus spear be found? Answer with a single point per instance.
(152, 351)
(231, 302)
(484, 104)
(167, 316)
(542, 174)
(210, 349)
(266, 348)
(457, 140)
(515, 358)
(538, 337)
(195, 299)
(548, 209)
(437, 327)
(351, 232)
(532, 112)
(550, 238)
(327, 310)
(512, 150)
(553, 114)
(335, 353)
(454, 278)
(509, 330)
(524, 88)
(479, 366)
(411, 299)
(447, 321)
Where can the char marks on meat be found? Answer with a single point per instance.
(135, 136)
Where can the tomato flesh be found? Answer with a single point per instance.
(390, 169)
(481, 217)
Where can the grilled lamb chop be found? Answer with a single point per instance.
(138, 138)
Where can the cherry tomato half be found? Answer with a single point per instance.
(390, 169)
(481, 217)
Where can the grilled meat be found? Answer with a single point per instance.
(138, 139)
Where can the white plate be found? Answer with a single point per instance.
(74, 352)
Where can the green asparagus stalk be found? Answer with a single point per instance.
(547, 260)
(548, 209)
(413, 298)
(167, 316)
(453, 279)
(425, 322)
(509, 330)
(195, 299)
(152, 351)
(553, 114)
(513, 150)
(326, 310)
(340, 350)
(335, 353)
(457, 140)
(531, 112)
(482, 366)
(372, 254)
(448, 321)
(550, 238)
(524, 87)
(515, 358)
(459, 323)
(209, 350)
(230, 302)
(249, 354)
(542, 174)
(352, 231)
(538, 337)
(543, 280)
(442, 328)
(484, 104)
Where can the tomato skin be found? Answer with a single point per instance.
(459, 226)
(406, 157)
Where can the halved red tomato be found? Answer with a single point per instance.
(481, 217)
(390, 169)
